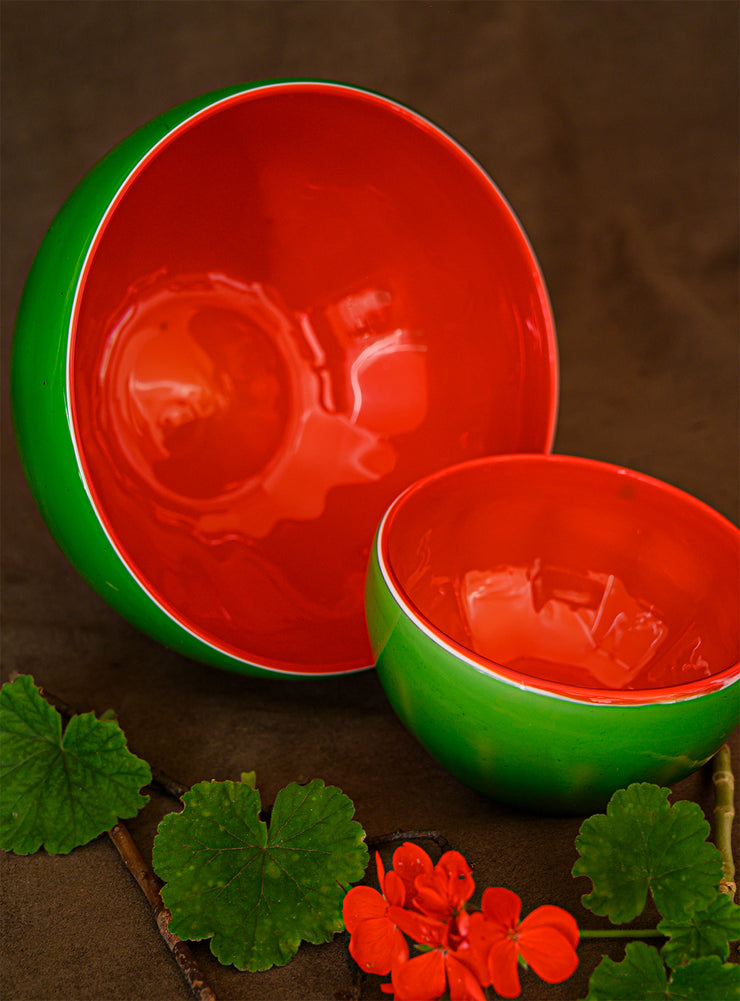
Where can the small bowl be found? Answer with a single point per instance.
(254, 323)
(552, 629)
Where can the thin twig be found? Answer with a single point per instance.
(724, 814)
(389, 839)
(150, 885)
(169, 786)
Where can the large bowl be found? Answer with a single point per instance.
(250, 327)
(552, 628)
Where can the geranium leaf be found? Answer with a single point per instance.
(704, 978)
(640, 976)
(60, 790)
(642, 843)
(258, 892)
(704, 933)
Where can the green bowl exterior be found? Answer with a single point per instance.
(39, 397)
(532, 750)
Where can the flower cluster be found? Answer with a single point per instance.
(458, 949)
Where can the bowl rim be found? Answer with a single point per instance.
(203, 108)
(632, 698)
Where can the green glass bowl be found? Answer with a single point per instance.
(251, 325)
(552, 629)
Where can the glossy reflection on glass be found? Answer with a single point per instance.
(222, 417)
(222, 404)
(569, 572)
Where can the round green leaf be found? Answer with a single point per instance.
(643, 844)
(640, 976)
(61, 790)
(705, 978)
(258, 892)
(704, 933)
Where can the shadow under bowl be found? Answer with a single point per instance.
(552, 629)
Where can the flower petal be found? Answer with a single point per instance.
(375, 944)
(553, 917)
(501, 906)
(380, 869)
(550, 954)
(460, 885)
(361, 903)
(464, 985)
(394, 889)
(421, 928)
(474, 949)
(503, 962)
(422, 978)
(431, 895)
(410, 861)
(484, 933)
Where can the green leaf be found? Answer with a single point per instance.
(642, 843)
(61, 790)
(257, 893)
(704, 933)
(640, 976)
(705, 978)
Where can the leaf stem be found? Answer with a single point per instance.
(150, 885)
(724, 814)
(620, 933)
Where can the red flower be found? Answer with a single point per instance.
(546, 940)
(457, 950)
(437, 890)
(443, 892)
(409, 862)
(450, 959)
(375, 942)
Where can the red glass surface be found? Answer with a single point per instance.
(303, 300)
(569, 572)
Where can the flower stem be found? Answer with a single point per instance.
(621, 933)
(724, 814)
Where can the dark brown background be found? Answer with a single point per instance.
(612, 128)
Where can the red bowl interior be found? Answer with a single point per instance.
(302, 300)
(571, 575)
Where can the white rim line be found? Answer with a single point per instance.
(437, 638)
